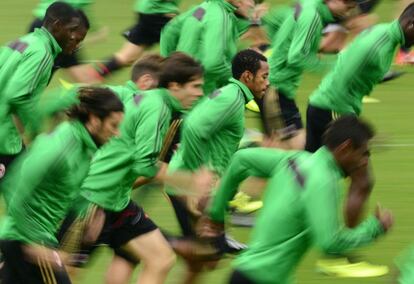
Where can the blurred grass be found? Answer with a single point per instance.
(393, 165)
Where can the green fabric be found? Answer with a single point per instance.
(125, 92)
(212, 131)
(209, 33)
(295, 46)
(135, 153)
(301, 209)
(40, 10)
(156, 6)
(274, 19)
(25, 70)
(359, 68)
(44, 182)
(405, 264)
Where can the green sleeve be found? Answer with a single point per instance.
(214, 46)
(190, 34)
(150, 130)
(321, 205)
(305, 42)
(405, 264)
(215, 113)
(257, 162)
(26, 83)
(170, 36)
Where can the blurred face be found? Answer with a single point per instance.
(340, 8)
(258, 83)
(350, 158)
(244, 7)
(103, 130)
(70, 35)
(187, 93)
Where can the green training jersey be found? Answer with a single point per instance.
(301, 208)
(405, 265)
(359, 68)
(209, 33)
(40, 10)
(44, 182)
(212, 130)
(296, 44)
(125, 92)
(156, 6)
(25, 70)
(274, 19)
(134, 153)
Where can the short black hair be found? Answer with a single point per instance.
(246, 60)
(408, 12)
(95, 100)
(348, 127)
(179, 68)
(150, 64)
(65, 13)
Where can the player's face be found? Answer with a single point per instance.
(341, 8)
(260, 80)
(70, 35)
(190, 92)
(108, 127)
(355, 158)
(244, 7)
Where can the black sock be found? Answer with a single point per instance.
(108, 67)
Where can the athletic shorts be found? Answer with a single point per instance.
(147, 30)
(18, 270)
(239, 278)
(317, 121)
(119, 229)
(62, 60)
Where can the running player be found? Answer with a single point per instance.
(301, 203)
(209, 32)
(44, 184)
(25, 70)
(212, 131)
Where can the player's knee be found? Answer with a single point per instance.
(164, 261)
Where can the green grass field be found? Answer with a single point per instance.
(393, 160)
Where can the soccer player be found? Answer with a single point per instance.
(301, 203)
(295, 47)
(212, 132)
(25, 70)
(46, 181)
(208, 32)
(126, 228)
(152, 16)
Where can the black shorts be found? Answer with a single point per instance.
(62, 60)
(147, 30)
(119, 229)
(239, 278)
(317, 121)
(18, 270)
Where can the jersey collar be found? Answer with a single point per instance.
(248, 96)
(324, 12)
(84, 135)
(132, 86)
(47, 36)
(397, 33)
(327, 155)
(229, 7)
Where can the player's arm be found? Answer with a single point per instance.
(191, 32)
(27, 82)
(307, 35)
(321, 204)
(256, 162)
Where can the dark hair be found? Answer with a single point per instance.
(150, 64)
(65, 13)
(348, 127)
(408, 12)
(95, 100)
(179, 68)
(246, 60)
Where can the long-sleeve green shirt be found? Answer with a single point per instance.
(301, 208)
(209, 33)
(25, 70)
(125, 92)
(156, 6)
(212, 130)
(359, 68)
(296, 44)
(135, 153)
(43, 184)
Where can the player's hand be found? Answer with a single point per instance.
(385, 217)
(207, 228)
